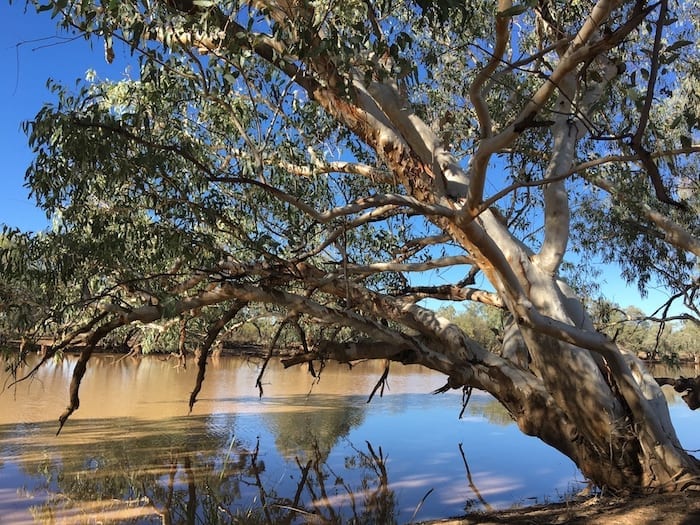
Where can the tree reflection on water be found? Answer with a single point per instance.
(178, 471)
(300, 454)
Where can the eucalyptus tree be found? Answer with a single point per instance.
(310, 160)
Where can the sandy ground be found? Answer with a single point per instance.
(668, 509)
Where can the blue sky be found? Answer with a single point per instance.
(32, 50)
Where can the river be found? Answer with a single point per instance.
(133, 452)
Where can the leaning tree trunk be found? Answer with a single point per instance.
(560, 380)
(593, 402)
(611, 418)
(613, 421)
(572, 387)
(575, 389)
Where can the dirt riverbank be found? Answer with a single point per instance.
(666, 509)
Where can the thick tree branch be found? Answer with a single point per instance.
(637, 140)
(481, 369)
(449, 178)
(476, 89)
(566, 132)
(371, 172)
(556, 198)
(579, 51)
(452, 293)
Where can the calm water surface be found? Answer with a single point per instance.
(132, 453)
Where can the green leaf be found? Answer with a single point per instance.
(513, 11)
(232, 76)
(677, 45)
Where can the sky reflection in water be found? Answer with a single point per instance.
(132, 451)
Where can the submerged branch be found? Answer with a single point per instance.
(81, 367)
(212, 334)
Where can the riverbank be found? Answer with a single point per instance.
(239, 349)
(231, 349)
(669, 509)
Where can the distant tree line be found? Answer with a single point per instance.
(670, 341)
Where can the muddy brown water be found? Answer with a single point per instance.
(133, 452)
